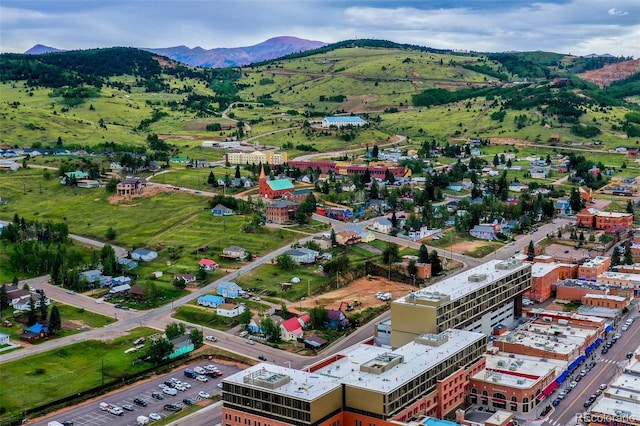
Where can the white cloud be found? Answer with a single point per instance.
(613, 11)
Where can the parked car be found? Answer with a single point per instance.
(188, 401)
(573, 384)
(199, 370)
(243, 333)
(116, 411)
(172, 407)
(128, 407)
(203, 394)
(219, 385)
(555, 402)
(180, 387)
(157, 395)
(155, 416)
(170, 391)
(141, 402)
(190, 373)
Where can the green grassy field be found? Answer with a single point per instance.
(66, 371)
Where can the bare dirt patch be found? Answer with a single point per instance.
(465, 246)
(363, 290)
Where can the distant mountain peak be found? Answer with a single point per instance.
(237, 56)
(40, 49)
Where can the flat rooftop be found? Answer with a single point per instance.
(621, 276)
(517, 371)
(380, 369)
(596, 261)
(566, 315)
(562, 339)
(589, 285)
(285, 381)
(466, 282)
(598, 311)
(366, 366)
(606, 297)
(541, 269)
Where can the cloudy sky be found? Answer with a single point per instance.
(577, 27)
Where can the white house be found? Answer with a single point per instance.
(234, 252)
(23, 304)
(423, 232)
(382, 224)
(485, 231)
(518, 187)
(539, 173)
(230, 310)
(4, 339)
(143, 254)
(291, 329)
(229, 289)
(303, 255)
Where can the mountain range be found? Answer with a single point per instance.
(221, 57)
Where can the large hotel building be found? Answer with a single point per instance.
(438, 343)
(477, 300)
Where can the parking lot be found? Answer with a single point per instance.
(91, 414)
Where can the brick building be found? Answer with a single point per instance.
(281, 211)
(543, 278)
(591, 269)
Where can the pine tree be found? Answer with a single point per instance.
(4, 297)
(615, 257)
(531, 251)
(55, 322)
(628, 256)
(423, 254)
(436, 264)
(33, 315)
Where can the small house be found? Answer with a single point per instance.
(563, 207)
(539, 173)
(347, 238)
(230, 310)
(234, 252)
(382, 224)
(210, 300)
(137, 293)
(208, 264)
(119, 289)
(291, 329)
(485, 231)
(220, 210)
(229, 289)
(91, 276)
(336, 319)
(144, 255)
(187, 278)
(34, 333)
(4, 339)
(303, 256)
(121, 280)
(127, 264)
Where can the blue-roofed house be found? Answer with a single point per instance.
(343, 121)
(210, 300)
(34, 333)
(229, 289)
(303, 255)
(121, 280)
(143, 254)
(91, 276)
(127, 264)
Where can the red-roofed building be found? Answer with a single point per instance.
(291, 329)
(208, 264)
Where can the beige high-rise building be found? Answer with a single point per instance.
(256, 157)
(476, 300)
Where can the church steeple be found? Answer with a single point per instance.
(262, 177)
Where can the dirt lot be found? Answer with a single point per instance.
(363, 290)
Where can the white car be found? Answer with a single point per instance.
(155, 416)
(180, 387)
(211, 339)
(211, 367)
(251, 342)
(186, 385)
(162, 386)
(170, 391)
(199, 370)
(202, 378)
(203, 394)
(219, 385)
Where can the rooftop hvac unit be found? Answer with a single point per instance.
(521, 381)
(495, 379)
(501, 363)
